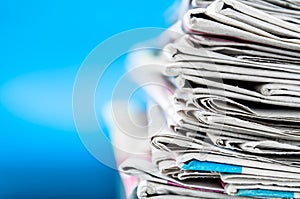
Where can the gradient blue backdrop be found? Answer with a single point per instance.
(42, 44)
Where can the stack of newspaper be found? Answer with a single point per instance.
(230, 101)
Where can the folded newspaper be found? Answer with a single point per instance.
(230, 102)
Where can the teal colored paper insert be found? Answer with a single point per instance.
(265, 193)
(212, 167)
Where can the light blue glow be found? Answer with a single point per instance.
(42, 97)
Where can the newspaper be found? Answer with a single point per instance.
(229, 103)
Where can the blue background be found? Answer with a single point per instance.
(42, 45)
